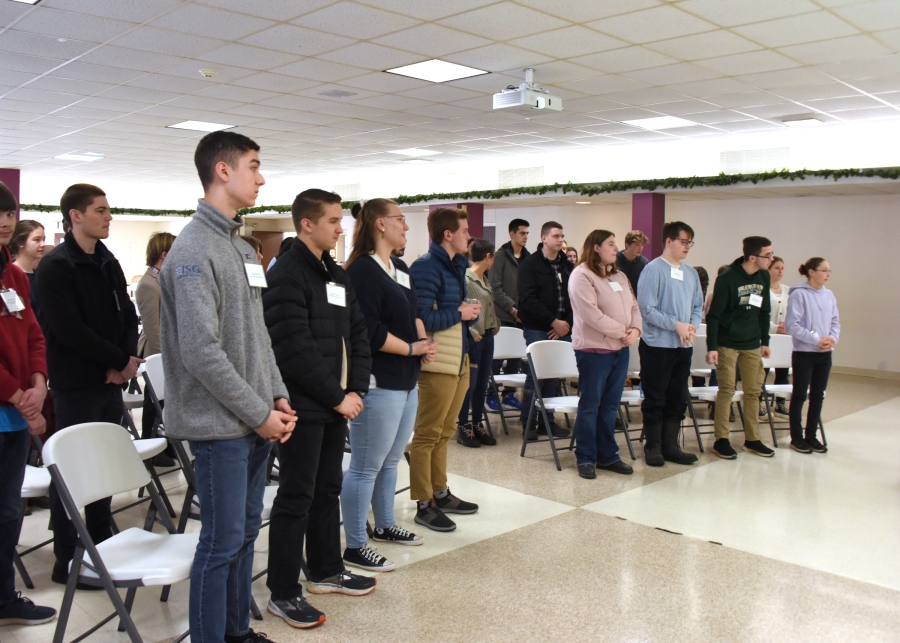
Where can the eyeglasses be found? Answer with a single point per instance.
(396, 216)
(768, 256)
(686, 242)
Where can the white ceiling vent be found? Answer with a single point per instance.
(349, 192)
(752, 161)
(521, 177)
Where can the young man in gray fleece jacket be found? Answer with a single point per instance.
(224, 393)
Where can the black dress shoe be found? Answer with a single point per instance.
(617, 467)
(62, 580)
(587, 471)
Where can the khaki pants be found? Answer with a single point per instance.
(751, 378)
(440, 399)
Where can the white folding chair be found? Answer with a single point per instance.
(91, 461)
(509, 343)
(782, 348)
(550, 359)
(36, 484)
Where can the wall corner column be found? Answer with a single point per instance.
(648, 214)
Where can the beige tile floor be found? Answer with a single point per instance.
(544, 560)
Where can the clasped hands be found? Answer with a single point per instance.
(126, 374)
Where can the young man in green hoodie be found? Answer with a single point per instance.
(737, 333)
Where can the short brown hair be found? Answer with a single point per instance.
(78, 197)
(547, 227)
(20, 235)
(635, 236)
(443, 220)
(308, 205)
(159, 243)
(255, 243)
(7, 199)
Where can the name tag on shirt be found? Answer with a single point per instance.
(256, 275)
(678, 273)
(336, 294)
(403, 279)
(616, 286)
(12, 301)
(755, 300)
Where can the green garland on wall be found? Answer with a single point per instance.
(650, 185)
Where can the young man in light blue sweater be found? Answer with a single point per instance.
(671, 303)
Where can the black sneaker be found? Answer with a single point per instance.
(617, 467)
(800, 446)
(450, 504)
(297, 612)
(344, 583)
(781, 410)
(762, 411)
(251, 637)
(587, 471)
(758, 448)
(482, 435)
(396, 534)
(21, 611)
(816, 446)
(434, 519)
(367, 558)
(63, 578)
(465, 435)
(531, 435)
(722, 448)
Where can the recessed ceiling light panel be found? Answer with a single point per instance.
(660, 122)
(582, 202)
(27, 1)
(436, 71)
(414, 152)
(802, 120)
(200, 126)
(83, 156)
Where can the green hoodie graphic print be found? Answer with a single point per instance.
(734, 320)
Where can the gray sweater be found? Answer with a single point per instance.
(221, 377)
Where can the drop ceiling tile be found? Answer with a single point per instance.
(69, 86)
(248, 57)
(487, 119)
(498, 57)
(130, 59)
(208, 21)
(191, 69)
(891, 38)
(320, 70)
(432, 40)
(754, 61)
(785, 78)
(399, 118)
(829, 105)
(627, 59)
(839, 49)
(21, 42)
(716, 87)
(591, 104)
(442, 94)
(569, 42)
(10, 11)
(503, 21)
(561, 71)
(111, 104)
(279, 10)
(85, 71)
(679, 107)
(816, 92)
(236, 93)
(297, 40)
(776, 112)
(704, 45)
(138, 94)
(9, 78)
(658, 23)
(644, 135)
(135, 11)
(371, 56)
(878, 85)
(644, 97)
(673, 74)
(587, 10)
(748, 126)
(442, 111)
(78, 26)
(601, 85)
(204, 102)
(868, 68)
(809, 27)
(730, 13)
(622, 114)
(351, 110)
(28, 64)
(714, 117)
(170, 42)
(393, 102)
(428, 9)
(697, 130)
(879, 113)
(872, 16)
(355, 20)
(481, 103)
(275, 82)
(746, 99)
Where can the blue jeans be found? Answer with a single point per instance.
(378, 437)
(601, 380)
(13, 453)
(549, 388)
(231, 478)
(481, 358)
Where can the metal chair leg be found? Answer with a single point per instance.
(627, 435)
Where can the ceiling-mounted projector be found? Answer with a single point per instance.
(527, 97)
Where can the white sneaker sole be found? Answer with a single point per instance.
(274, 611)
(384, 568)
(408, 543)
(318, 588)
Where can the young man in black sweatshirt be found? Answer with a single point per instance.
(92, 333)
(321, 345)
(737, 334)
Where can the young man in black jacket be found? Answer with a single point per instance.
(545, 310)
(91, 329)
(321, 345)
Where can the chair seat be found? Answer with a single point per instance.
(781, 390)
(564, 404)
(516, 380)
(133, 400)
(149, 447)
(710, 393)
(701, 372)
(153, 559)
(631, 397)
(36, 482)
(269, 498)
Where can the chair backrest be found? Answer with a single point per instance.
(95, 460)
(553, 359)
(154, 370)
(698, 357)
(634, 359)
(509, 343)
(782, 347)
(701, 329)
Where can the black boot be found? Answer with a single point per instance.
(652, 448)
(671, 450)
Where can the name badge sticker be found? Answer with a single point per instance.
(678, 273)
(616, 286)
(256, 275)
(755, 300)
(403, 279)
(336, 294)
(12, 301)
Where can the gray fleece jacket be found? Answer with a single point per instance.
(221, 377)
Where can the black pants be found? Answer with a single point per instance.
(664, 379)
(78, 407)
(513, 366)
(307, 506)
(13, 452)
(810, 372)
